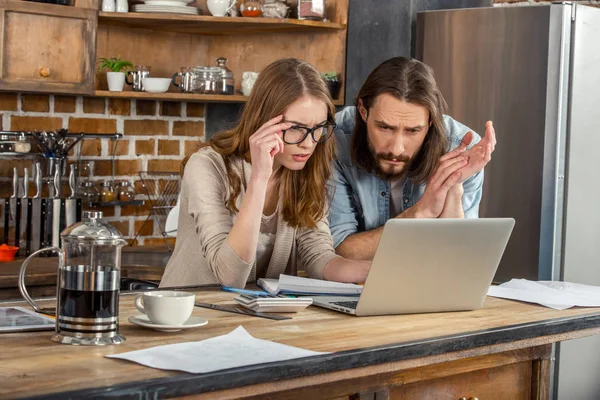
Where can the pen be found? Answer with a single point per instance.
(243, 291)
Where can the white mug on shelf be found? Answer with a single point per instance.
(219, 8)
(122, 6)
(248, 79)
(108, 5)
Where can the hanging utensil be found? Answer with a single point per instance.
(71, 206)
(24, 215)
(37, 212)
(15, 206)
(7, 216)
(56, 209)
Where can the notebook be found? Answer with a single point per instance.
(307, 286)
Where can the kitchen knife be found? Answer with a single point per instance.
(46, 226)
(15, 207)
(24, 215)
(56, 209)
(71, 206)
(36, 211)
(78, 210)
(47, 205)
(6, 219)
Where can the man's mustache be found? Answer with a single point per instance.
(393, 157)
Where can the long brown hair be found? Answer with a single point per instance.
(412, 81)
(280, 84)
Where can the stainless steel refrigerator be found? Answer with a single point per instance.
(534, 71)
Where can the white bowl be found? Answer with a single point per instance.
(156, 85)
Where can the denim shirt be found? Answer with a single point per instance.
(361, 201)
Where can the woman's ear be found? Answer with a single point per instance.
(362, 110)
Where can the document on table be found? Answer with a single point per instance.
(553, 294)
(235, 349)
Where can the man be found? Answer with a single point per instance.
(393, 159)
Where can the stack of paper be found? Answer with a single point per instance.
(306, 286)
(553, 294)
(236, 349)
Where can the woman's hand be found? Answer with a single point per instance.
(265, 143)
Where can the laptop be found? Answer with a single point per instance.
(429, 265)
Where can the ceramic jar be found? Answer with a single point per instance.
(248, 80)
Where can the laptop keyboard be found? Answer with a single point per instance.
(347, 304)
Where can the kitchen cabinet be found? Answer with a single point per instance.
(47, 48)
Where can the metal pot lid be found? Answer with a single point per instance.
(93, 229)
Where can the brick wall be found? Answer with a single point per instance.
(157, 136)
(501, 3)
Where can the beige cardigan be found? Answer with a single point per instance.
(202, 253)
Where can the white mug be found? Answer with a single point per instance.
(219, 8)
(248, 80)
(166, 307)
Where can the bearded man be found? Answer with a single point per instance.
(399, 156)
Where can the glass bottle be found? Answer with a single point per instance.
(88, 193)
(107, 193)
(227, 81)
(251, 8)
(126, 192)
(311, 9)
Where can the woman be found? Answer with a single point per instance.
(253, 199)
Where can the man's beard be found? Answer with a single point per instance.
(392, 172)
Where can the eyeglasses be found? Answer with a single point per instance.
(297, 134)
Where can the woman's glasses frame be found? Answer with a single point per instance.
(328, 127)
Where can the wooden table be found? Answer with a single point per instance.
(499, 352)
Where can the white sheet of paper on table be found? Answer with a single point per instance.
(553, 294)
(235, 349)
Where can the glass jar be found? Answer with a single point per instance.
(22, 145)
(107, 192)
(208, 79)
(88, 193)
(311, 9)
(251, 8)
(6, 144)
(275, 9)
(126, 192)
(227, 81)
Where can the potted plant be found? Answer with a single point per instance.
(115, 74)
(331, 78)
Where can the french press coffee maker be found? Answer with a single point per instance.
(88, 282)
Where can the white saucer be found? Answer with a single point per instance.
(167, 3)
(147, 8)
(192, 322)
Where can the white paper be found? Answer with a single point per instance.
(235, 349)
(553, 294)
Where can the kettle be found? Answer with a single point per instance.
(88, 282)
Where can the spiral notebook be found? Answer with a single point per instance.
(307, 286)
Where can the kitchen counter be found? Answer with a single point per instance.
(501, 351)
(136, 262)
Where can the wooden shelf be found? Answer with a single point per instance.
(173, 96)
(119, 203)
(207, 98)
(208, 25)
